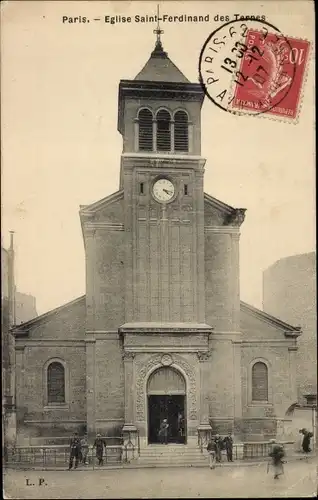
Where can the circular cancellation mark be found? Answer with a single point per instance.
(247, 67)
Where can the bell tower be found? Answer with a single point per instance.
(159, 118)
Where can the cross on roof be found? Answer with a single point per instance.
(158, 31)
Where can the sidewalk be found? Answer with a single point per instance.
(253, 462)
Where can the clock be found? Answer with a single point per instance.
(163, 190)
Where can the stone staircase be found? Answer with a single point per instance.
(171, 455)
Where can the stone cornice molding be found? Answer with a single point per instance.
(21, 344)
(169, 349)
(101, 331)
(152, 161)
(92, 226)
(234, 230)
(165, 328)
(269, 342)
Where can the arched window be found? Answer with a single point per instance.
(163, 131)
(259, 382)
(145, 130)
(181, 140)
(55, 383)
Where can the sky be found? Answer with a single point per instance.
(61, 148)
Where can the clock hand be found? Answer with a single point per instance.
(166, 191)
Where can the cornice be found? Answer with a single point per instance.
(222, 229)
(103, 225)
(168, 349)
(165, 328)
(49, 342)
(158, 160)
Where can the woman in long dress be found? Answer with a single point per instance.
(277, 454)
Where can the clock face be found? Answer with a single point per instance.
(163, 190)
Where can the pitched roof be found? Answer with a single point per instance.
(289, 330)
(159, 68)
(45, 316)
(101, 204)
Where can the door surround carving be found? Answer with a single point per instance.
(153, 363)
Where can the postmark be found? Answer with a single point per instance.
(251, 68)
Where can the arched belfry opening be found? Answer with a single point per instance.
(166, 395)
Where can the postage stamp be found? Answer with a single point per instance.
(252, 68)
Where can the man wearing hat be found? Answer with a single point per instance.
(75, 450)
(163, 431)
(99, 444)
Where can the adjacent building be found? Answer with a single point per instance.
(16, 308)
(161, 331)
(289, 293)
(25, 307)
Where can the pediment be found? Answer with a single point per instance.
(109, 209)
(217, 213)
(258, 324)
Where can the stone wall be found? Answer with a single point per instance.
(59, 336)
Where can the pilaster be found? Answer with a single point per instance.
(235, 271)
(292, 350)
(90, 386)
(128, 358)
(199, 247)
(90, 249)
(237, 388)
(204, 358)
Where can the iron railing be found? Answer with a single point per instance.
(58, 456)
(256, 450)
(250, 450)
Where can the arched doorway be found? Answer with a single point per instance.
(166, 395)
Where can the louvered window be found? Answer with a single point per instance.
(181, 140)
(56, 383)
(163, 131)
(259, 382)
(145, 130)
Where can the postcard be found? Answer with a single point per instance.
(158, 249)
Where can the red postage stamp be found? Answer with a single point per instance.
(271, 74)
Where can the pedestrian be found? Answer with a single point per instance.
(277, 454)
(180, 424)
(75, 450)
(306, 440)
(163, 431)
(84, 449)
(228, 443)
(211, 449)
(99, 444)
(218, 448)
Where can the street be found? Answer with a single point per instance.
(300, 479)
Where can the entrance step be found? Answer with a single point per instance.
(172, 455)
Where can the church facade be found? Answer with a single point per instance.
(161, 331)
